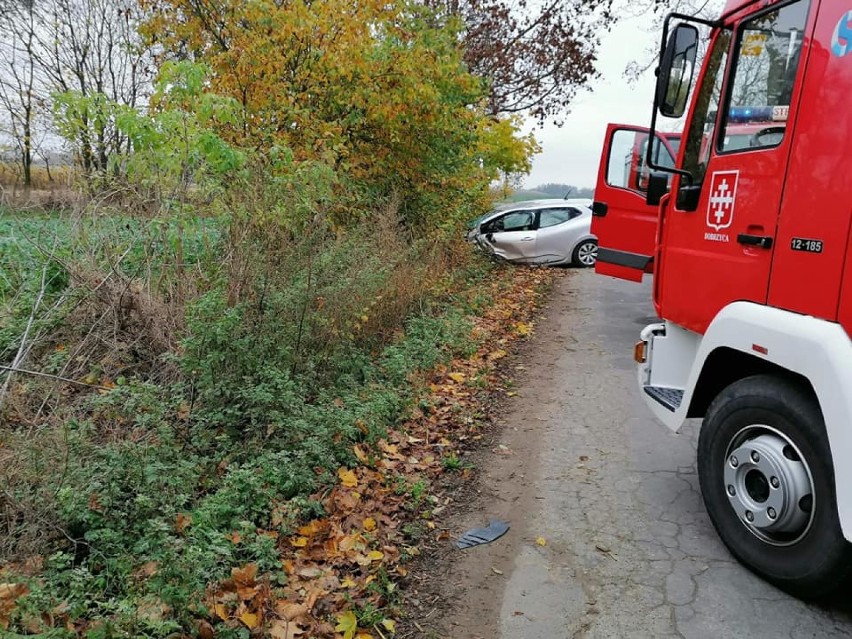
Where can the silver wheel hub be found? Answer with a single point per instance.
(587, 253)
(769, 485)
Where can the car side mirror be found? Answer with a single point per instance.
(658, 186)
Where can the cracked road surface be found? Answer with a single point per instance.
(580, 463)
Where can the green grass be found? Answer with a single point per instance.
(260, 404)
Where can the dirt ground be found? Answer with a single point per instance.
(608, 536)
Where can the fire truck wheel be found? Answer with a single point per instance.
(767, 479)
(585, 254)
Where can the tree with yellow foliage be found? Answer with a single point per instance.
(376, 89)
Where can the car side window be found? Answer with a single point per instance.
(552, 217)
(493, 226)
(514, 221)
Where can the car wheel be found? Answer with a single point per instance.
(767, 480)
(585, 254)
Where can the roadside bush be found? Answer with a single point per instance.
(252, 289)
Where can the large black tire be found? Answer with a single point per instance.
(816, 558)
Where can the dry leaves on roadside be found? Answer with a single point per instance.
(352, 557)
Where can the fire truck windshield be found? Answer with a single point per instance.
(763, 61)
(765, 69)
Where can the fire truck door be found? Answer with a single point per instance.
(813, 227)
(719, 237)
(626, 227)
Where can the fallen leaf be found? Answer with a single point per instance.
(363, 635)
(352, 542)
(309, 572)
(457, 377)
(250, 620)
(205, 630)
(95, 503)
(389, 624)
(348, 582)
(369, 524)
(234, 538)
(541, 541)
(360, 454)
(247, 593)
(285, 630)
(147, 570)
(244, 576)
(312, 528)
(347, 623)
(152, 610)
(182, 521)
(523, 329)
(221, 611)
(299, 542)
(290, 610)
(496, 571)
(375, 555)
(9, 594)
(347, 478)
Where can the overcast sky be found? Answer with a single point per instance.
(570, 154)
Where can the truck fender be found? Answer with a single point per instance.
(817, 351)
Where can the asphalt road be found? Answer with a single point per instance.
(628, 550)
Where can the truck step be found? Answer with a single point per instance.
(668, 397)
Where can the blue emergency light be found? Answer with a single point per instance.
(750, 114)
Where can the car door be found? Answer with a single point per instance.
(512, 235)
(555, 236)
(624, 223)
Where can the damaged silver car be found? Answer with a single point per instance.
(553, 231)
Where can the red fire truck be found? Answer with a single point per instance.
(747, 236)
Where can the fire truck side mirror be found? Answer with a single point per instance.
(658, 186)
(677, 66)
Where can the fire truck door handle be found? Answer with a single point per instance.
(762, 241)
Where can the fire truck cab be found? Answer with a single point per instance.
(747, 236)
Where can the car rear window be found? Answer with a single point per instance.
(552, 217)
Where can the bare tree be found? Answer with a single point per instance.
(19, 85)
(707, 9)
(534, 54)
(90, 47)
